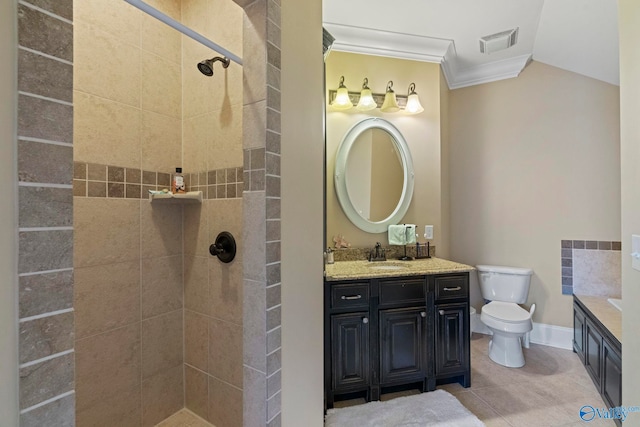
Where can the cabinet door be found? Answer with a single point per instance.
(350, 350)
(611, 376)
(402, 344)
(593, 352)
(578, 331)
(452, 340)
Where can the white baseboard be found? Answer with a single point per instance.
(543, 334)
(553, 336)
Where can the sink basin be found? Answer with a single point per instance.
(616, 302)
(387, 266)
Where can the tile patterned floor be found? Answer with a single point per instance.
(548, 391)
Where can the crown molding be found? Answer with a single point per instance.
(389, 44)
(486, 73)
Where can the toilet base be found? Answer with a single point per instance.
(506, 349)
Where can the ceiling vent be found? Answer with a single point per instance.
(499, 41)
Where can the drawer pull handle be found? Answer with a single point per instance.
(423, 314)
(457, 288)
(441, 312)
(351, 297)
(365, 320)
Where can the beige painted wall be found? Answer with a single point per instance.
(533, 160)
(302, 214)
(629, 23)
(8, 243)
(421, 131)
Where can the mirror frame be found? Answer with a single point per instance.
(340, 182)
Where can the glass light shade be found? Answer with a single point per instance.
(413, 104)
(390, 104)
(342, 101)
(366, 102)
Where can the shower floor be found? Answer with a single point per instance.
(184, 418)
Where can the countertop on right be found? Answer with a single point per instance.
(607, 314)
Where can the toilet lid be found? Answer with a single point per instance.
(506, 311)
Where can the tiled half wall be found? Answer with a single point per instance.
(591, 267)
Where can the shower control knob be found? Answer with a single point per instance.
(365, 320)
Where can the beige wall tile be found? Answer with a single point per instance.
(196, 391)
(161, 87)
(197, 88)
(225, 25)
(162, 395)
(254, 63)
(161, 285)
(227, 87)
(226, 149)
(225, 351)
(160, 142)
(168, 7)
(197, 138)
(194, 14)
(225, 404)
(254, 119)
(160, 39)
(106, 297)
(197, 295)
(118, 19)
(107, 366)
(196, 229)
(106, 231)
(161, 343)
(225, 282)
(105, 132)
(161, 230)
(120, 409)
(196, 340)
(118, 79)
(226, 215)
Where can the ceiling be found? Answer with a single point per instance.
(576, 35)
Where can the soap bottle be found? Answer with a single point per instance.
(177, 185)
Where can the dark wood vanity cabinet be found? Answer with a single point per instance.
(389, 332)
(600, 352)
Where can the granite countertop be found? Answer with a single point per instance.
(606, 313)
(345, 270)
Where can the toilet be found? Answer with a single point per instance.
(505, 288)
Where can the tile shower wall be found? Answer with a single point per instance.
(45, 137)
(591, 267)
(128, 253)
(140, 266)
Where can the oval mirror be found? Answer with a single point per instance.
(374, 175)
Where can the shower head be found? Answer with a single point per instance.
(206, 66)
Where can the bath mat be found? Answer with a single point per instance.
(436, 408)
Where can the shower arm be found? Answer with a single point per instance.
(183, 29)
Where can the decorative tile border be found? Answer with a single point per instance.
(566, 257)
(98, 180)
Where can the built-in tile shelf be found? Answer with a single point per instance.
(188, 197)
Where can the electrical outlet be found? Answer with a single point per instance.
(428, 231)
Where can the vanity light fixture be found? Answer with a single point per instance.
(342, 101)
(366, 102)
(390, 104)
(413, 102)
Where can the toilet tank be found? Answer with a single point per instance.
(508, 284)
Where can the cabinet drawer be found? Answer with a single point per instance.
(451, 287)
(350, 295)
(402, 290)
